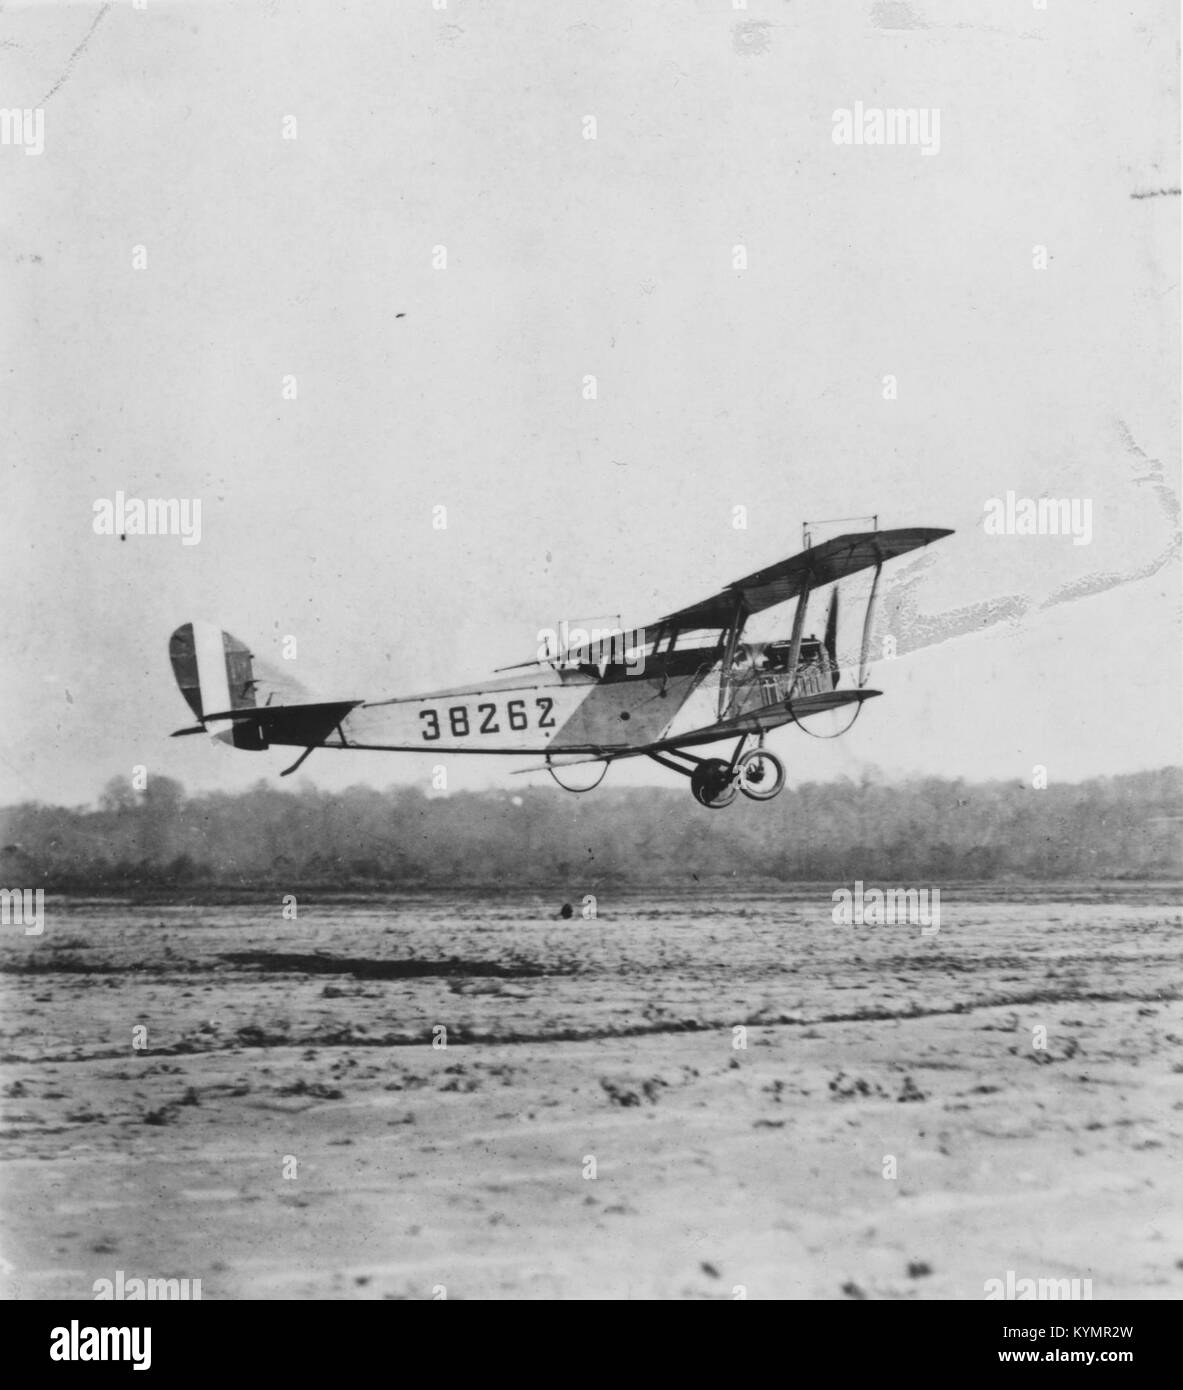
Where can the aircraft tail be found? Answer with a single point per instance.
(249, 704)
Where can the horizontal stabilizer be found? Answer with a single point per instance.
(303, 726)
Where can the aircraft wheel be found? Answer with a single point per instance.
(712, 785)
(761, 774)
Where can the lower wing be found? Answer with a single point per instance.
(756, 721)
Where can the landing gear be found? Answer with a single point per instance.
(716, 782)
(713, 784)
(760, 774)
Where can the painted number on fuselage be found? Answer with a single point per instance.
(515, 711)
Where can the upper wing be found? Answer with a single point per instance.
(821, 564)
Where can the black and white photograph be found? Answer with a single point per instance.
(592, 647)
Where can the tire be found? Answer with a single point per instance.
(752, 774)
(712, 785)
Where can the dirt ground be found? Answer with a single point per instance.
(700, 1096)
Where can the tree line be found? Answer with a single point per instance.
(921, 830)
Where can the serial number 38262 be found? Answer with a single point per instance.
(486, 719)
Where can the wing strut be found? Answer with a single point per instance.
(798, 626)
(739, 617)
(831, 646)
(864, 670)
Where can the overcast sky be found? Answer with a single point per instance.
(717, 386)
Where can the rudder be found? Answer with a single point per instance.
(214, 670)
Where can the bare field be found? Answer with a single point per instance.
(306, 1046)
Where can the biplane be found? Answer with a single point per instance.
(681, 683)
